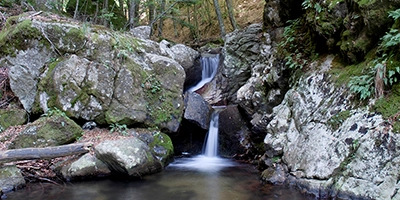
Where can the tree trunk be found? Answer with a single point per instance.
(220, 19)
(133, 13)
(231, 14)
(161, 22)
(43, 153)
(76, 9)
(105, 12)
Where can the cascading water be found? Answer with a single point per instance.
(209, 66)
(211, 143)
(209, 161)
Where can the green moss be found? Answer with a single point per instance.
(48, 131)
(335, 121)
(46, 84)
(16, 36)
(12, 117)
(162, 140)
(389, 106)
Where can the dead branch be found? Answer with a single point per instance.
(43, 153)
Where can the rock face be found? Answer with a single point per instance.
(95, 74)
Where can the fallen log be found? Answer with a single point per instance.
(43, 153)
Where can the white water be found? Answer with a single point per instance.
(211, 143)
(209, 161)
(209, 66)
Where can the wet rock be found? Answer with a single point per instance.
(274, 175)
(10, 179)
(197, 110)
(233, 132)
(48, 131)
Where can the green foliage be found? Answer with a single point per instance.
(362, 85)
(152, 84)
(121, 128)
(337, 120)
(54, 112)
(307, 4)
(395, 14)
(392, 38)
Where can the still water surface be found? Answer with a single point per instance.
(185, 179)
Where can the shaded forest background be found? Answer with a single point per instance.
(192, 22)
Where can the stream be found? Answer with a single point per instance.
(184, 179)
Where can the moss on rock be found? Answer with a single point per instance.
(12, 117)
(48, 131)
(17, 36)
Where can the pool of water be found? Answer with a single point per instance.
(185, 179)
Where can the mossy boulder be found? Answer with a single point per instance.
(10, 178)
(48, 131)
(12, 117)
(92, 73)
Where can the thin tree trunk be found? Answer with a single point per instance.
(231, 14)
(133, 13)
(152, 9)
(220, 19)
(43, 153)
(76, 9)
(161, 22)
(105, 12)
(121, 6)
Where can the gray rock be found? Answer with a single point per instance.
(10, 178)
(26, 66)
(197, 110)
(234, 136)
(130, 157)
(103, 77)
(86, 166)
(142, 32)
(274, 175)
(12, 117)
(319, 135)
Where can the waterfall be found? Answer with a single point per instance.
(211, 143)
(209, 66)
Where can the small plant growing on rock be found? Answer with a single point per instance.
(152, 84)
(54, 112)
(121, 128)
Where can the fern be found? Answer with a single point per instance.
(395, 14)
(362, 85)
(391, 39)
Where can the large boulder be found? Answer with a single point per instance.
(86, 166)
(47, 131)
(233, 132)
(95, 74)
(197, 110)
(146, 153)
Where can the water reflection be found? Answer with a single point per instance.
(182, 180)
